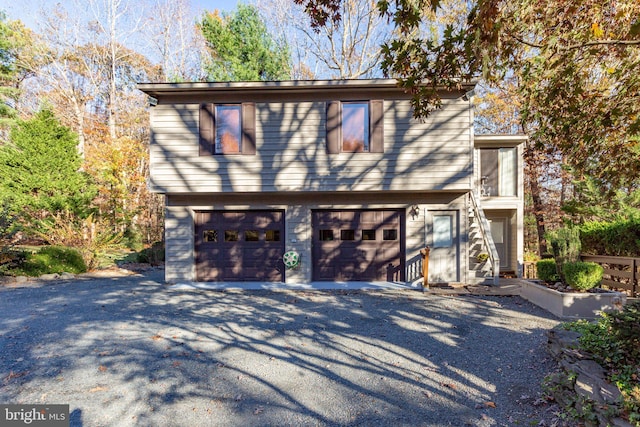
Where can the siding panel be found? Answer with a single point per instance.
(291, 152)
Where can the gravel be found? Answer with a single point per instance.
(128, 351)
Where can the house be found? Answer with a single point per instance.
(338, 173)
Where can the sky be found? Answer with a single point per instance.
(27, 10)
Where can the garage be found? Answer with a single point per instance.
(358, 245)
(239, 246)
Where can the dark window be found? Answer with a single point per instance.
(326, 235)
(390, 234)
(272, 235)
(251, 236)
(347, 235)
(231, 235)
(210, 235)
(368, 234)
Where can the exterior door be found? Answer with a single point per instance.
(499, 231)
(358, 245)
(444, 260)
(239, 246)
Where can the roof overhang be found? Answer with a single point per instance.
(289, 87)
(496, 141)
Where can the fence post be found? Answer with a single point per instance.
(425, 267)
(634, 278)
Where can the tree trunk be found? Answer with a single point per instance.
(538, 209)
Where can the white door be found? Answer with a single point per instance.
(499, 231)
(444, 256)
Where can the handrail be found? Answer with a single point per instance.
(494, 258)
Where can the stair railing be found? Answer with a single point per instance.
(487, 238)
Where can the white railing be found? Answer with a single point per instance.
(487, 238)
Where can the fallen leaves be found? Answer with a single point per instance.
(12, 375)
(97, 389)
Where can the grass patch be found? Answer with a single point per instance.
(49, 260)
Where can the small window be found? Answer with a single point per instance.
(210, 235)
(355, 127)
(326, 235)
(272, 235)
(368, 234)
(390, 234)
(347, 235)
(251, 236)
(228, 129)
(442, 231)
(231, 235)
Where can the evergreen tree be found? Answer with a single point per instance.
(242, 49)
(40, 172)
(7, 72)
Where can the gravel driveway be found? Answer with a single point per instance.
(128, 351)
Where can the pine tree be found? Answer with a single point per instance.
(40, 172)
(242, 49)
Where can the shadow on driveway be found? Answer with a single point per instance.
(129, 351)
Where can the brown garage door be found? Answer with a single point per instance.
(239, 246)
(361, 245)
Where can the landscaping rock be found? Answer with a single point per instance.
(21, 279)
(67, 276)
(561, 340)
(48, 277)
(619, 422)
(591, 383)
(581, 384)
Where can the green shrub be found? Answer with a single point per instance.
(51, 259)
(547, 271)
(582, 276)
(614, 238)
(565, 246)
(152, 255)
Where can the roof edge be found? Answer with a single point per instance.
(154, 89)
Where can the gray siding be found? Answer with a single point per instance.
(291, 152)
(179, 245)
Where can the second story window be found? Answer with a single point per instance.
(499, 171)
(227, 129)
(355, 126)
(228, 122)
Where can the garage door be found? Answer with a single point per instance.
(239, 246)
(361, 245)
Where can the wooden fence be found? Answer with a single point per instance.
(529, 270)
(619, 272)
